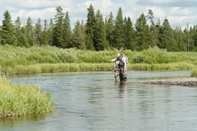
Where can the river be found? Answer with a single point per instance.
(91, 101)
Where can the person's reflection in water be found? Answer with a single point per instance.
(121, 88)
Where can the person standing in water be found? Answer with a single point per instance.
(121, 62)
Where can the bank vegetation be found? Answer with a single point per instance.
(20, 99)
(46, 59)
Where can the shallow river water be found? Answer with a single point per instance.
(91, 101)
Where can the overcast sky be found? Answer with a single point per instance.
(178, 12)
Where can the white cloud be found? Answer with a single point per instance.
(177, 11)
(191, 20)
(168, 3)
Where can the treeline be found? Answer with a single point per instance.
(98, 33)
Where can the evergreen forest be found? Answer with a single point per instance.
(98, 33)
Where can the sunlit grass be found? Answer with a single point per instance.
(20, 99)
(20, 60)
(194, 72)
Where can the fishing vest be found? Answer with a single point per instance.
(121, 63)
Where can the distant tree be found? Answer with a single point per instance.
(129, 34)
(45, 36)
(58, 28)
(191, 37)
(90, 28)
(78, 37)
(99, 32)
(153, 28)
(8, 32)
(17, 26)
(151, 16)
(29, 32)
(103, 33)
(66, 32)
(38, 32)
(143, 34)
(109, 27)
(168, 37)
(179, 37)
(119, 31)
(20, 33)
(50, 32)
(159, 36)
(22, 38)
(194, 37)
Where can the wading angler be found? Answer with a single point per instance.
(120, 67)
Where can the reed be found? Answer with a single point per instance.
(19, 99)
(169, 66)
(20, 60)
(194, 72)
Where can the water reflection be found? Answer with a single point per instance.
(12, 121)
(121, 88)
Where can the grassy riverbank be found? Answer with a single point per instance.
(18, 60)
(19, 99)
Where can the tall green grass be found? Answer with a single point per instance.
(19, 99)
(20, 60)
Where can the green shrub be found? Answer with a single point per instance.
(138, 58)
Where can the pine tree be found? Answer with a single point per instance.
(20, 33)
(90, 28)
(45, 37)
(151, 16)
(58, 28)
(129, 34)
(159, 32)
(179, 37)
(168, 37)
(17, 26)
(38, 32)
(8, 31)
(109, 27)
(119, 31)
(195, 37)
(99, 32)
(22, 39)
(143, 34)
(78, 37)
(29, 32)
(153, 28)
(192, 38)
(66, 32)
(50, 32)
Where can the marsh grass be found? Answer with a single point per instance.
(19, 60)
(194, 72)
(169, 66)
(19, 99)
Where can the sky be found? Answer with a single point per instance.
(178, 12)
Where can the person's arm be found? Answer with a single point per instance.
(113, 60)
